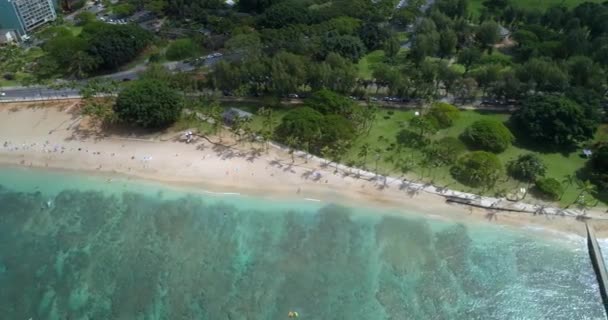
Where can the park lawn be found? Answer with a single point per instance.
(558, 165)
(475, 6)
(384, 131)
(76, 30)
(368, 62)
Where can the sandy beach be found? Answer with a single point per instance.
(55, 136)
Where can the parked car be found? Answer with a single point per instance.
(293, 96)
(2, 94)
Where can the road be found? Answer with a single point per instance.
(34, 93)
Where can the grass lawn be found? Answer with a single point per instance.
(384, 131)
(76, 30)
(475, 6)
(367, 63)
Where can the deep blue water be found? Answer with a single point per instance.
(76, 247)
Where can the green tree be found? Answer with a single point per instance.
(82, 64)
(288, 72)
(364, 150)
(543, 75)
(148, 104)
(488, 34)
(181, 49)
(328, 102)
(84, 17)
(527, 167)
(335, 73)
(373, 35)
(549, 188)
(391, 47)
(425, 44)
(599, 166)
(114, 45)
(444, 114)
(226, 76)
(444, 151)
(447, 43)
(245, 43)
(488, 135)
(468, 57)
(350, 47)
(302, 123)
(123, 10)
(336, 128)
(477, 169)
(424, 125)
(585, 188)
(554, 121)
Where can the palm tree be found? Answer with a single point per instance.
(215, 113)
(568, 180)
(292, 142)
(378, 153)
(585, 188)
(363, 152)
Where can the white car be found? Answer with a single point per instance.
(2, 94)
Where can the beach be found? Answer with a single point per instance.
(146, 226)
(55, 136)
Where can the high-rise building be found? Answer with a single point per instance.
(25, 15)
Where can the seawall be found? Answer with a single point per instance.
(598, 265)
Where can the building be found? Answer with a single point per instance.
(232, 114)
(8, 36)
(24, 16)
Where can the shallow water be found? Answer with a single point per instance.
(76, 247)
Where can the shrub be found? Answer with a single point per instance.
(123, 10)
(488, 135)
(554, 121)
(148, 104)
(549, 188)
(527, 167)
(181, 49)
(303, 124)
(599, 166)
(477, 169)
(336, 128)
(444, 114)
(411, 139)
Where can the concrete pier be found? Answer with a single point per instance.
(598, 265)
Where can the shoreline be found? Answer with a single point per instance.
(54, 138)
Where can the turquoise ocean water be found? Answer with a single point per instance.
(77, 247)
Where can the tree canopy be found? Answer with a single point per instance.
(181, 49)
(549, 188)
(553, 120)
(527, 167)
(148, 104)
(488, 135)
(477, 169)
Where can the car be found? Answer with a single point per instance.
(2, 94)
(126, 79)
(293, 96)
(217, 54)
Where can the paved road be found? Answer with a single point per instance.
(33, 93)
